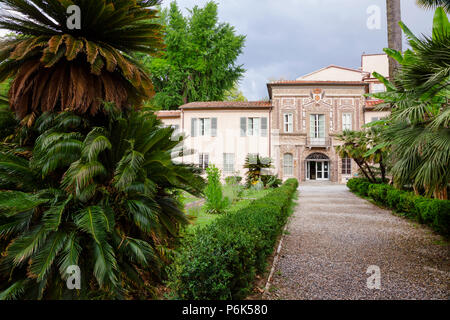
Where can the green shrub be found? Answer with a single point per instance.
(221, 260)
(393, 198)
(271, 181)
(215, 201)
(233, 180)
(433, 212)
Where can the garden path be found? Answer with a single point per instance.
(334, 236)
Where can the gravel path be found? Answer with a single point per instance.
(334, 236)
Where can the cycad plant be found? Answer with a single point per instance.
(96, 197)
(55, 67)
(418, 130)
(255, 165)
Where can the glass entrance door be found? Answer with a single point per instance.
(318, 170)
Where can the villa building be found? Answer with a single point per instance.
(297, 127)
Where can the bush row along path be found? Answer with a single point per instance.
(334, 236)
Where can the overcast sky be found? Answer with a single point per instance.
(290, 38)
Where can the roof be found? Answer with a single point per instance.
(315, 82)
(227, 105)
(168, 113)
(332, 66)
(372, 103)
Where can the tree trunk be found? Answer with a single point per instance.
(393, 12)
(374, 178)
(383, 169)
(362, 169)
(441, 194)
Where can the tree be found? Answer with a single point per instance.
(215, 201)
(97, 197)
(418, 131)
(445, 4)
(199, 63)
(56, 68)
(393, 12)
(234, 94)
(355, 146)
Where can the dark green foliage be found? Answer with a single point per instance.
(220, 260)
(433, 212)
(199, 63)
(97, 196)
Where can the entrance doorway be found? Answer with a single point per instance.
(317, 167)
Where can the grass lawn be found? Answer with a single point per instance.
(199, 217)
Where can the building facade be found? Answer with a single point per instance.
(297, 127)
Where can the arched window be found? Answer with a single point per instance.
(288, 165)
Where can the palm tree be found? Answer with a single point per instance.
(445, 4)
(393, 12)
(55, 68)
(97, 197)
(355, 146)
(418, 131)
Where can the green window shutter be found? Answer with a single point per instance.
(213, 127)
(264, 127)
(243, 127)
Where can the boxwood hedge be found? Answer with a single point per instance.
(433, 212)
(221, 260)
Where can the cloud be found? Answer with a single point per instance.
(290, 38)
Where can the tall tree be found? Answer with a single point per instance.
(199, 63)
(393, 12)
(418, 130)
(234, 94)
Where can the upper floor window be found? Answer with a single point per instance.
(288, 122)
(203, 127)
(288, 164)
(253, 126)
(346, 121)
(317, 125)
(346, 166)
(378, 87)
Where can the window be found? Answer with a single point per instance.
(253, 126)
(346, 166)
(228, 162)
(346, 121)
(378, 87)
(288, 122)
(203, 127)
(203, 160)
(288, 164)
(374, 119)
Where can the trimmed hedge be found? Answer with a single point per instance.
(433, 212)
(221, 260)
